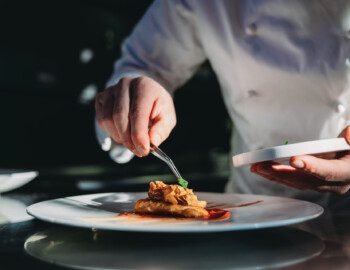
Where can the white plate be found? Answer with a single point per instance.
(12, 211)
(12, 179)
(284, 152)
(100, 211)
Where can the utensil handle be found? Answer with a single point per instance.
(161, 155)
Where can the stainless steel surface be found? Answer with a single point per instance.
(161, 155)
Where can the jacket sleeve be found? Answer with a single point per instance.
(165, 46)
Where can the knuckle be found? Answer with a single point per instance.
(122, 83)
(127, 143)
(124, 137)
(136, 112)
(115, 137)
(123, 80)
(311, 169)
(139, 83)
(141, 80)
(119, 111)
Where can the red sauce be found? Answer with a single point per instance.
(214, 215)
(218, 214)
(149, 216)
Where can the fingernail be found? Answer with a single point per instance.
(156, 139)
(298, 164)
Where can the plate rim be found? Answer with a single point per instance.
(204, 229)
(288, 150)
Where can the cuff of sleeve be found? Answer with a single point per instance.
(116, 78)
(135, 74)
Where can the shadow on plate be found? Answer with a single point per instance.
(85, 249)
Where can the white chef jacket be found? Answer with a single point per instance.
(283, 68)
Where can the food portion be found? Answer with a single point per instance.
(173, 194)
(171, 200)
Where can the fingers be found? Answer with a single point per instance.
(163, 121)
(295, 178)
(104, 108)
(135, 112)
(346, 134)
(142, 100)
(328, 170)
(286, 175)
(325, 172)
(121, 112)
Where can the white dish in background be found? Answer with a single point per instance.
(283, 153)
(12, 211)
(12, 179)
(100, 211)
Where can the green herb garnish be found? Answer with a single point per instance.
(286, 142)
(182, 182)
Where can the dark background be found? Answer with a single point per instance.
(45, 123)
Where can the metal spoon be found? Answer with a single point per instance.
(161, 155)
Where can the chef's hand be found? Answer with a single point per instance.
(135, 112)
(322, 173)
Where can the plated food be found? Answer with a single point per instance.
(175, 200)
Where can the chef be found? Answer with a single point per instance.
(284, 72)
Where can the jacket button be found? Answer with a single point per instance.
(252, 29)
(252, 93)
(339, 108)
(347, 62)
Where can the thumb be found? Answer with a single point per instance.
(159, 131)
(346, 134)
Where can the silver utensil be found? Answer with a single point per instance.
(161, 155)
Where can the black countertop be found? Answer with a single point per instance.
(323, 243)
